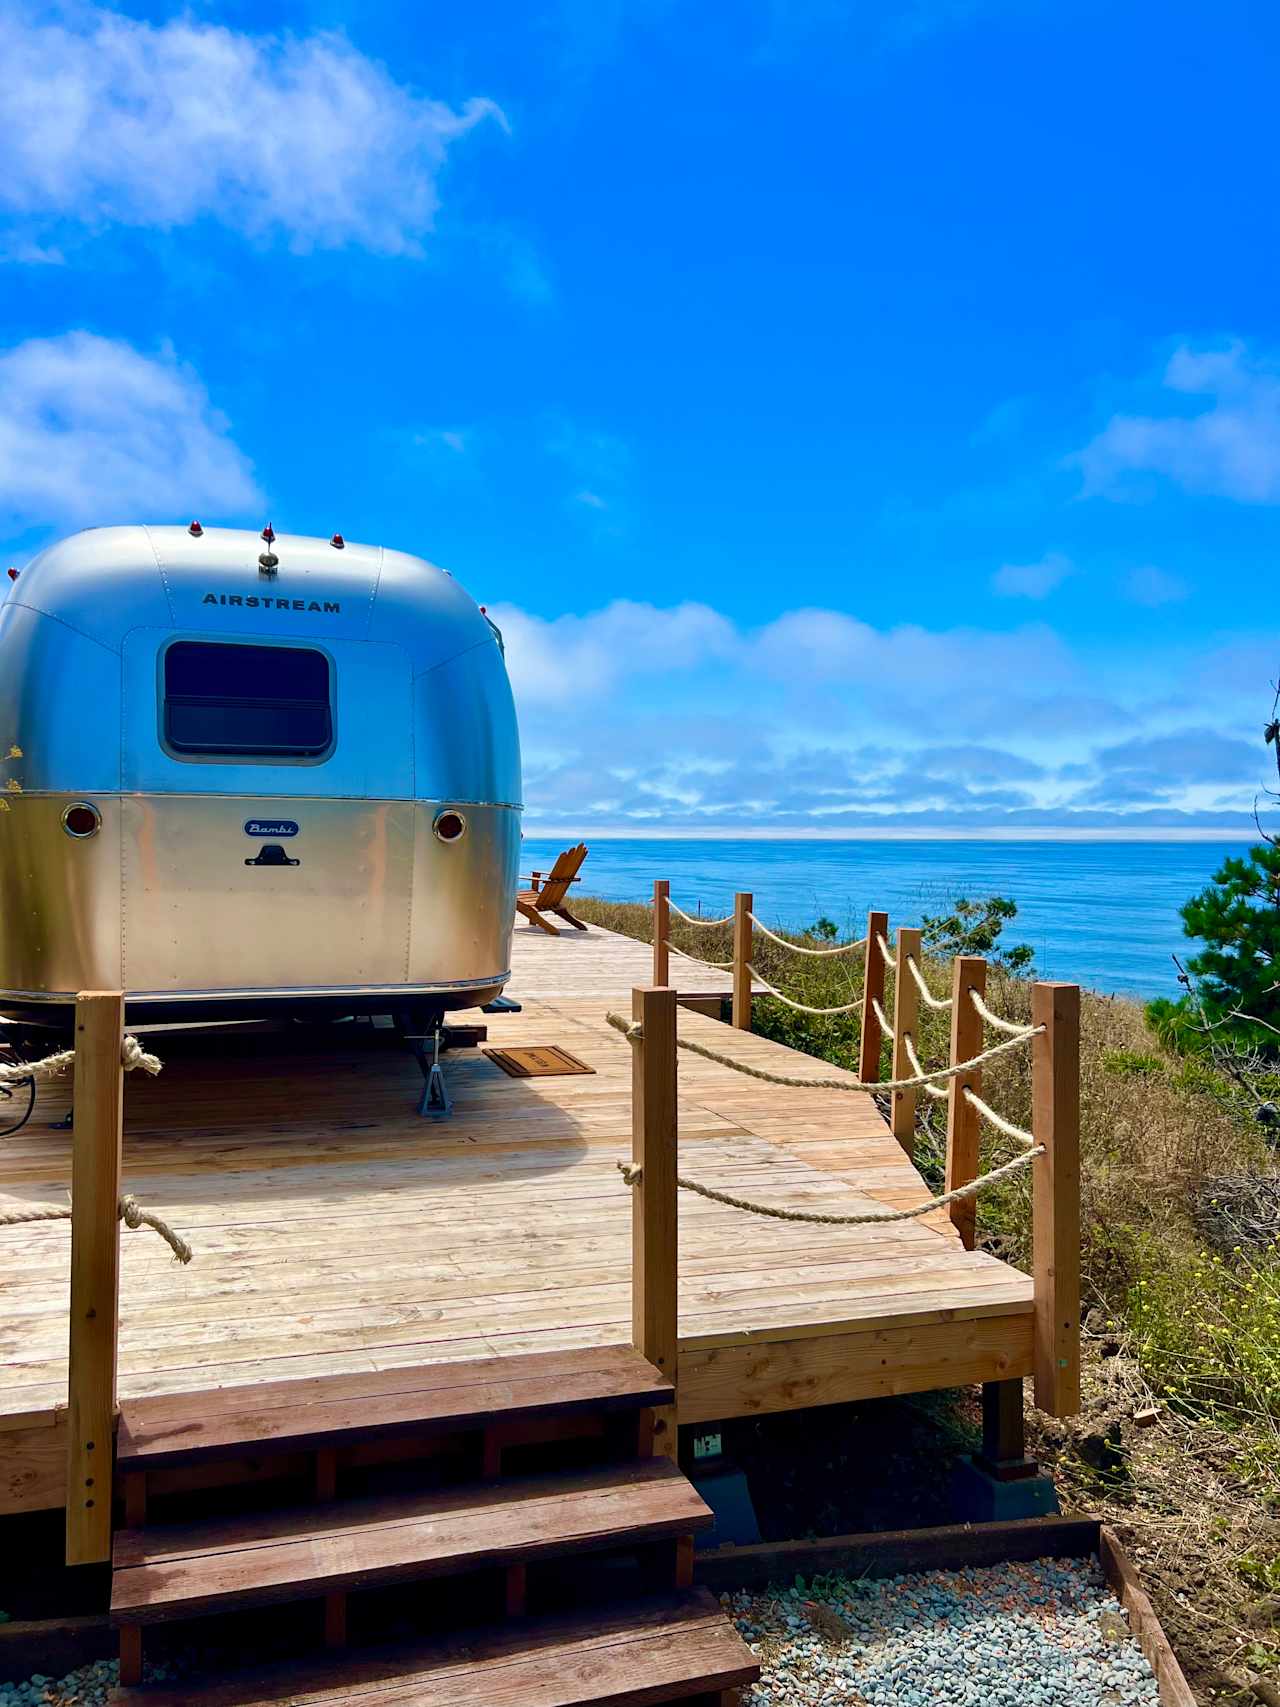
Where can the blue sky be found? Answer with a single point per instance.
(856, 414)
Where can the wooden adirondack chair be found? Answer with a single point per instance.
(547, 894)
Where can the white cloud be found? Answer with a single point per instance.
(1152, 586)
(592, 500)
(635, 714)
(809, 647)
(578, 658)
(1031, 580)
(93, 431)
(1229, 449)
(106, 118)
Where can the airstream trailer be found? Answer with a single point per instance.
(251, 775)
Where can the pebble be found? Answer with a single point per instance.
(1047, 1634)
(87, 1686)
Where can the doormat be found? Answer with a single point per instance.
(543, 1061)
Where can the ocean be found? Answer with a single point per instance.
(1099, 913)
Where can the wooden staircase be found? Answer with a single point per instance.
(554, 1549)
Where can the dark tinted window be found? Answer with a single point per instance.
(247, 701)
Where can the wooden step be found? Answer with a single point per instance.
(187, 1428)
(672, 1648)
(187, 1570)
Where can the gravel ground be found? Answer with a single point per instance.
(1047, 1634)
(85, 1687)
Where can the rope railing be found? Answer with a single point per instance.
(129, 1210)
(882, 1019)
(798, 948)
(917, 1066)
(690, 920)
(997, 1120)
(632, 1175)
(634, 1032)
(995, 1020)
(716, 965)
(801, 1007)
(890, 958)
(939, 1004)
(132, 1056)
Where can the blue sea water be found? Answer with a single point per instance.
(1099, 913)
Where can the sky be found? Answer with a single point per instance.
(858, 414)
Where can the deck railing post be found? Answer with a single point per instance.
(906, 1011)
(661, 930)
(872, 989)
(742, 905)
(95, 1274)
(968, 978)
(654, 1220)
(1055, 1200)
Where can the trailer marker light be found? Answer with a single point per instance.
(268, 533)
(81, 820)
(195, 530)
(449, 826)
(337, 542)
(13, 574)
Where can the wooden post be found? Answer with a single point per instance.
(1055, 1203)
(968, 973)
(95, 1274)
(742, 905)
(872, 986)
(661, 930)
(654, 1219)
(906, 1011)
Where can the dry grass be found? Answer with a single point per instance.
(1169, 1321)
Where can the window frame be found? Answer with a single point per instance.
(227, 757)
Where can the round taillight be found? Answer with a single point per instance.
(449, 826)
(81, 820)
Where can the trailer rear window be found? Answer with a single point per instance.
(247, 701)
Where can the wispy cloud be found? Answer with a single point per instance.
(1229, 448)
(92, 430)
(1151, 586)
(1031, 580)
(110, 119)
(817, 719)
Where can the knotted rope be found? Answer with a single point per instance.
(632, 1174)
(938, 1003)
(633, 1031)
(690, 920)
(129, 1210)
(795, 947)
(800, 1007)
(132, 1055)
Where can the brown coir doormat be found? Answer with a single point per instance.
(543, 1061)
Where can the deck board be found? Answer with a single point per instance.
(335, 1231)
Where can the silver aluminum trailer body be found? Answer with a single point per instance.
(250, 786)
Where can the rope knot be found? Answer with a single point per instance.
(631, 1029)
(631, 1172)
(133, 1055)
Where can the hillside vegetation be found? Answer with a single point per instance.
(1180, 1279)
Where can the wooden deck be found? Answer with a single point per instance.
(336, 1231)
